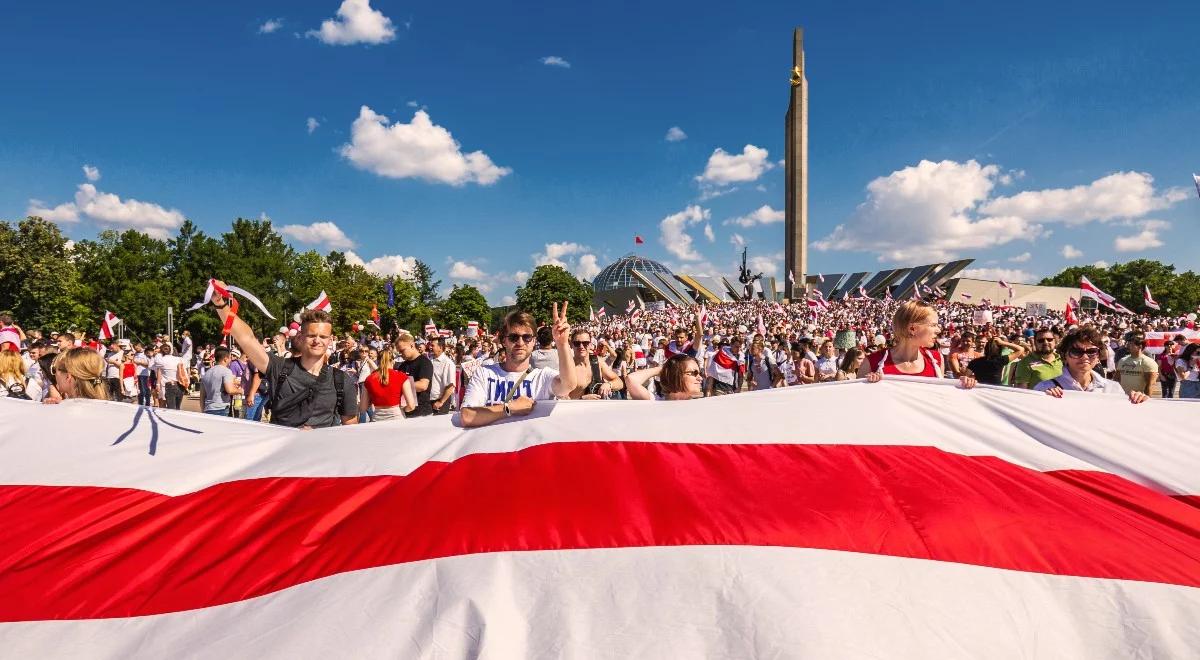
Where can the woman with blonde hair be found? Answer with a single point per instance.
(79, 374)
(388, 390)
(915, 329)
(12, 375)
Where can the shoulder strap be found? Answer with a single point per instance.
(595, 369)
(339, 384)
(937, 363)
(517, 385)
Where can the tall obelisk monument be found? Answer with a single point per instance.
(796, 172)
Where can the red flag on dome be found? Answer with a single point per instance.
(637, 240)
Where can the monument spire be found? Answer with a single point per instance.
(796, 173)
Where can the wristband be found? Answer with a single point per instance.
(507, 412)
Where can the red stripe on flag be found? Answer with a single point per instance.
(73, 552)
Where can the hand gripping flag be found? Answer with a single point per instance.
(108, 326)
(224, 292)
(1069, 530)
(1149, 301)
(322, 303)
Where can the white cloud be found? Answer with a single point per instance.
(112, 211)
(319, 233)
(673, 232)
(356, 23)
(1100, 264)
(462, 270)
(767, 265)
(763, 215)
(91, 173)
(508, 300)
(1070, 252)
(386, 265)
(708, 233)
(270, 26)
(738, 241)
(1021, 258)
(420, 149)
(520, 276)
(1010, 275)
(555, 60)
(724, 168)
(587, 268)
(413, 104)
(311, 124)
(675, 134)
(925, 212)
(1143, 240)
(1122, 195)
(572, 257)
(64, 213)
(708, 192)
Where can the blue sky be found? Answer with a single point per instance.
(1047, 131)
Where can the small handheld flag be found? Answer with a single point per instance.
(322, 303)
(109, 325)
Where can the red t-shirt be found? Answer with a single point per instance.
(933, 361)
(386, 396)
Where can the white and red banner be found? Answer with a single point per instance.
(1156, 340)
(985, 523)
(1148, 300)
(431, 328)
(108, 326)
(1089, 290)
(322, 303)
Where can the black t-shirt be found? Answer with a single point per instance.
(417, 369)
(988, 370)
(318, 410)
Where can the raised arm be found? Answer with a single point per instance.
(635, 383)
(565, 383)
(241, 333)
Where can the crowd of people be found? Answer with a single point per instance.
(313, 378)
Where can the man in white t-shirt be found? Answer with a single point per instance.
(512, 387)
(441, 387)
(172, 379)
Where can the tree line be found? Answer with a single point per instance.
(53, 283)
(1176, 293)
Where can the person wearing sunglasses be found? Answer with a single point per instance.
(679, 378)
(1081, 351)
(596, 380)
(512, 386)
(1040, 365)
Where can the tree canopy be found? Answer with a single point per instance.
(1174, 292)
(553, 284)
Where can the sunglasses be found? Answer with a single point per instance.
(581, 343)
(1045, 340)
(692, 372)
(1079, 352)
(514, 338)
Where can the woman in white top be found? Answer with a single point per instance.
(1081, 350)
(1187, 367)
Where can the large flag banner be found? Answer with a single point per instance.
(108, 325)
(985, 523)
(1089, 290)
(1149, 301)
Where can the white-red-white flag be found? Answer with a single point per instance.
(1069, 314)
(1089, 290)
(430, 327)
(322, 303)
(108, 326)
(601, 313)
(908, 534)
(1149, 301)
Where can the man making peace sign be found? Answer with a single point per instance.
(496, 391)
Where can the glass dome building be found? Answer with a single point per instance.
(619, 273)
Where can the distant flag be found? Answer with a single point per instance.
(887, 295)
(1069, 315)
(845, 296)
(791, 279)
(1089, 290)
(862, 292)
(630, 307)
(821, 278)
(635, 315)
(472, 328)
(916, 293)
(431, 328)
(762, 327)
(1148, 300)
(966, 296)
(445, 333)
(638, 240)
(1196, 179)
(375, 315)
(1121, 308)
(391, 291)
(591, 314)
(108, 327)
(925, 289)
(322, 303)
(601, 313)
(1008, 286)
(703, 316)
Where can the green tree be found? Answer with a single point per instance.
(194, 258)
(255, 257)
(42, 287)
(427, 287)
(464, 304)
(1173, 291)
(126, 273)
(353, 291)
(553, 284)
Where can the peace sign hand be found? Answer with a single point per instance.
(561, 328)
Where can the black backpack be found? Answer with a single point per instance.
(280, 407)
